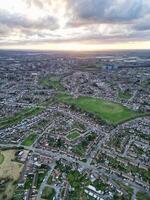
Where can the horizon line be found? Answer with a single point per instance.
(70, 50)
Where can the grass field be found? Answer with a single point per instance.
(18, 117)
(73, 135)
(112, 113)
(9, 170)
(29, 140)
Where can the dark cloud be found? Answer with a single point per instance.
(105, 11)
(132, 13)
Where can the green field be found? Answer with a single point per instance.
(18, 117)
(29, 140)
(110, 112)
(73, 135)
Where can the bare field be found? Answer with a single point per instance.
(9, 169)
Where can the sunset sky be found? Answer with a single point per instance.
(74, 24)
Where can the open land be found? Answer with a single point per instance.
(10, 173)
(108, 111)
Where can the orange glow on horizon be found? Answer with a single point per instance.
(82, 47)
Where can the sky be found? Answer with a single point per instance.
(75, 24)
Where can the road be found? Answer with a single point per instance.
(85, 165)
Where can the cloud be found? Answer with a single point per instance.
(105, 11)
(143, 24)
(121, 20)
(18, 28)
(37, 3)
(98, 21)
(21, 21)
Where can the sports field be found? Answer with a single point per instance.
(112, 113)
